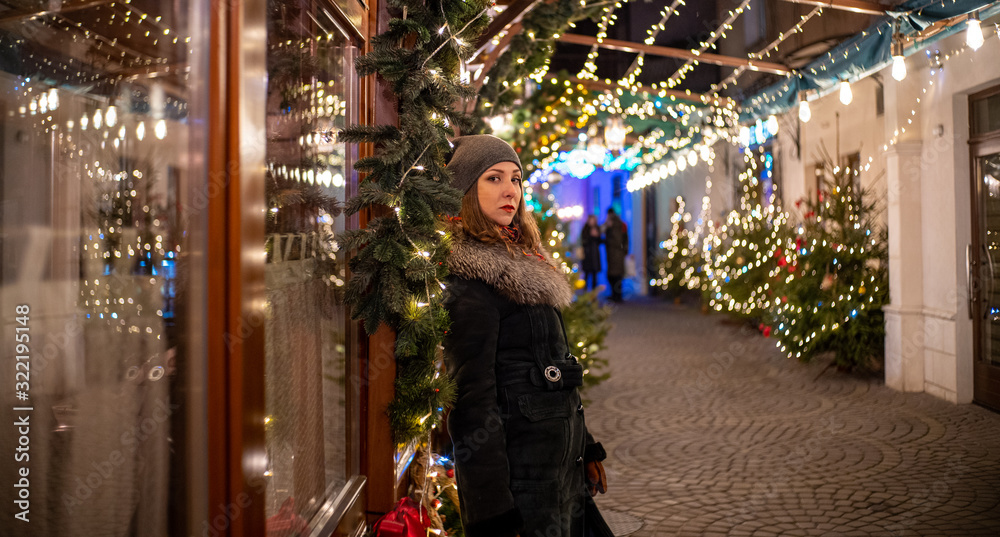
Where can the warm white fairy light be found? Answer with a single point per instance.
(608, 18)
(901, 130)
(713, 37)
(766, 51)
(634, 70)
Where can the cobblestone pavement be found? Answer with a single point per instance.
(710, 431)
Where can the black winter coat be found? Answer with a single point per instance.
(517, 426)
(615, 246)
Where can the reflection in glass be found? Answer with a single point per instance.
(310, 99)
(92, 243)
(989, 171)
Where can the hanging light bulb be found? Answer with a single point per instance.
(846, 95)
(805, 113)
(898, 60)
(614, 134)
(974, 32)
(772, 124)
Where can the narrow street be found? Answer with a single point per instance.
(710, 431)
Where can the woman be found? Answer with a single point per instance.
(524, 461)
(590, 240)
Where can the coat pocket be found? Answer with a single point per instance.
(545, 405)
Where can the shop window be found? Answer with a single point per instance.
(100, 181)
(310, 405)
(986, 114)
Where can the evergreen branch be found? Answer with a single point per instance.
(453, 36)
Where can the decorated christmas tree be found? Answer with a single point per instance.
(832, 299)
(749, 254)
(681, 261)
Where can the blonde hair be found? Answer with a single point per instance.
(474, 222)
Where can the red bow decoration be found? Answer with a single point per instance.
(407, 519)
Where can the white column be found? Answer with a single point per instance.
(904, 320)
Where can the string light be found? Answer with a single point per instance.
(720, 32)
(766, 51)
(608, 18)
(828, 64)
(634, 70)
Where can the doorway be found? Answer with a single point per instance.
(984, 257)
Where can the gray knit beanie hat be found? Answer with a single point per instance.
(474, 154)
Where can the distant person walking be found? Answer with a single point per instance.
(590, 241)
(615, 248)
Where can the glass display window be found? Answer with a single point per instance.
(98, 177)
(311, 406)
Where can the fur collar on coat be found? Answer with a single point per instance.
(523, 279)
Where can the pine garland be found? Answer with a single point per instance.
(399, 264)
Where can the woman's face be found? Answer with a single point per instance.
(592, 220)
(499, 191)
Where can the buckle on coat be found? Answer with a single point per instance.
(552, 374)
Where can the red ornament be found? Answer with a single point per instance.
(760, 327)
(767, 331)
(450, 473)
(782, 262)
